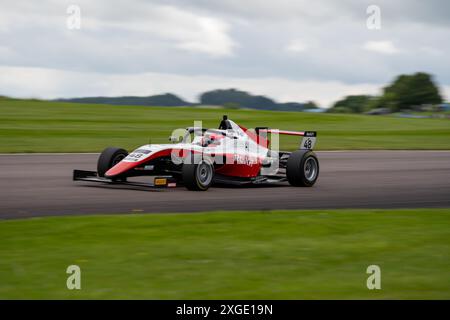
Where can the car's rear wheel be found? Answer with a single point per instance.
(109, 158)
(302, 169)
(198, 176)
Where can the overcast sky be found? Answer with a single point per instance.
(288, 50)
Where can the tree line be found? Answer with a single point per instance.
(406, 92)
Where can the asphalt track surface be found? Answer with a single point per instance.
(41, 185)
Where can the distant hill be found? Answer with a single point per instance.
(164, 100)
(242, 99)
(229, 98)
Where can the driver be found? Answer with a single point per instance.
(224, 124)
(211, 140)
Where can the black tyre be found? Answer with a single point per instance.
(198, 176)
(302, 168)
(109, 158)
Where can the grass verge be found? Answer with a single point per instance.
(42, 126)
(320, 254)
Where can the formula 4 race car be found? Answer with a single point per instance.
(199, 157)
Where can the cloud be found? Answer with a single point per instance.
(227, 42)
(431, 51)
(296, 46)
(132, 21)
(5, 52)
(384, 47)
(52, 83)
(187, 30)
(213, 39)
(431, 12)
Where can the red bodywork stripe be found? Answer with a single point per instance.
(258, 139)
(239, 170)
(236, 170)
(123, 166)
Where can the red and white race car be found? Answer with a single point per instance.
(199, 157)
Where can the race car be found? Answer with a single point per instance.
(198, 158)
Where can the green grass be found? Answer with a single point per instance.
(40, 126)
(240, 255)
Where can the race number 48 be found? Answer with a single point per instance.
(308, 143)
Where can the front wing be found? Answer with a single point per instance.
(92, 176)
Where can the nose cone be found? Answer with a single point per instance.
(119, 169)
(132, 162)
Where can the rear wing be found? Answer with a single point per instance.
(308, 141)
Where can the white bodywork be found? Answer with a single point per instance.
(232, 141)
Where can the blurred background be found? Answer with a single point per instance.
(371, 77)
(313, 54)
(343, 59)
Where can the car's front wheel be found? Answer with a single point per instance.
(198, 176)
(109, 158)
(302, 169)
